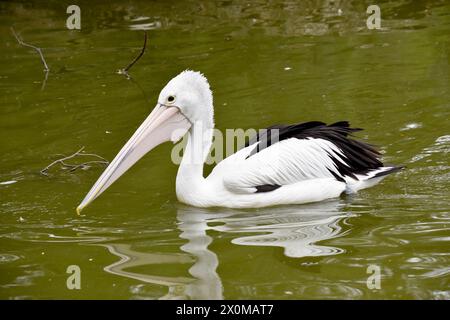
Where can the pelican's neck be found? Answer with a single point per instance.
(190, 178)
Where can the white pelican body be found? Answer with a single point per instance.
(301, 163)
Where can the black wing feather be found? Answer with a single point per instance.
(360, 157)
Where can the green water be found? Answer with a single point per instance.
(275, 62)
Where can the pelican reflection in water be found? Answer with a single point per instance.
(295, 229)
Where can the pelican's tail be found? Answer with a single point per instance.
(369, 179)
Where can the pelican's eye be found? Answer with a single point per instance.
(170, 99)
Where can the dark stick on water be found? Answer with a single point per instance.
(125, 70)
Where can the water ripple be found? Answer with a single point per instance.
(441, 145)
(296, 229)
(5, 258)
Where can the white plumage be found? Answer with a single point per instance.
(286, 162)
(300, 167)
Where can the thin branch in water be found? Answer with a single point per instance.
(141, 89)
(44, 171)
(73, 167)
(45, 80)
(125, 70)
(87, 164)
(39, 50)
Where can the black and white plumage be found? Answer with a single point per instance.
(286, 164)
(351, 158)
(318, 161)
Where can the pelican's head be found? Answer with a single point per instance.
(190, 93)
(185, 100)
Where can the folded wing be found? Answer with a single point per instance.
(284, 155)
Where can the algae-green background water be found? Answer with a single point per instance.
(268, 62)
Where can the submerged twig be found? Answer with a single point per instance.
(45, 80)
(125, 70)
(73, 167)
(86, 164)
(39, 50)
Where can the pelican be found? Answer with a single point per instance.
(308, 162)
